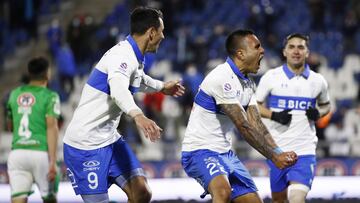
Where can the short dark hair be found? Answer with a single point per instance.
(38, 68)
(297, 35)
(143, 18)
(234, 39)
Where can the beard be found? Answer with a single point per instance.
(152, 48)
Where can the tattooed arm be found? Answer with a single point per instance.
(254, 118)
(257, 137)
(251, 134)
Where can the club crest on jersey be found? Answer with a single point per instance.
(26, 100)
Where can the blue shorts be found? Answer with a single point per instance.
(303, 171)
(94, 171)
(204, 165)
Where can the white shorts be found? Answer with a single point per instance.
(26, 167)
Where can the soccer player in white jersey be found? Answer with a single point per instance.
(226, 100)
(95, 153)
(295, 98)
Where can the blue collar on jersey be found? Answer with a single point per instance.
(291, 74)
(139, 55)
(235, 69)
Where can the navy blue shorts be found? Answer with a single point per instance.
(204, 165)
(303, 171)
(94, 171)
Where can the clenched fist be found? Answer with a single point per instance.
(284, 159)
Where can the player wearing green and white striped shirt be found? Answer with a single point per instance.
(33, 111)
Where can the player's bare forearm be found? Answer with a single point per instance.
(264, 112)
(9, 125)
(52, 138)
(251, 134)
(254, 118)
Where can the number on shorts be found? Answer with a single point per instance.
(93, 180)
(212, 168)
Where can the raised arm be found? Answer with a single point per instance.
(260, 139)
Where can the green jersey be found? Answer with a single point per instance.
(27, 107)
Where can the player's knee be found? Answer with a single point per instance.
(297, 193)
(279, 197)
(19, 199)
(223, 194)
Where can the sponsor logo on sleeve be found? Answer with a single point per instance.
(229, 92)
(123, 67)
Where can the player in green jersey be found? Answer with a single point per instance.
(33, 112)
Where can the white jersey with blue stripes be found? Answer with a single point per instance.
(281, 89)
(97, 116)
(208, 127)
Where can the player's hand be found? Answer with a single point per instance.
(148, 127)
(173, 88)
(312, 114)
(282, 117)
(52, 172)
(285, 159)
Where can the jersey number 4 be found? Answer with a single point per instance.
(24, 130)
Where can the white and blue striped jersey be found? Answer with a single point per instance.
(98, 114)
(208, 127)
(281, 89)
